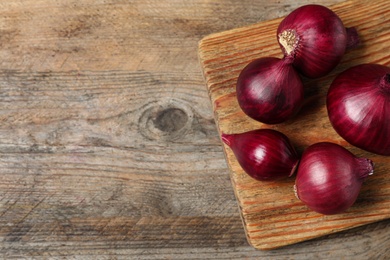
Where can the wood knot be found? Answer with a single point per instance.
(167, 121)
(171, 120)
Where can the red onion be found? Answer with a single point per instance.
(264, 154)
(329, 177)
(358, 103)
(315, 38)
(269, 90)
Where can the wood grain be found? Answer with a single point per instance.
(108, 145)
(272, 216)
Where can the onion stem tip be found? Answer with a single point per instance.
(353, 39)
(226, 138)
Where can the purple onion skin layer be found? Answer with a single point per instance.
(264, 154)
(316, 37)
(358, 103)
(269, 90)
(329, 178)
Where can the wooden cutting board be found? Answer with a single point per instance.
(271, 214)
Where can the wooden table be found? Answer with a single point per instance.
(108, 146)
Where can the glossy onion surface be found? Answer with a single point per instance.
(263, 154)
(315, 37)
(269, 90)
(358, 104)
(329, 178)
